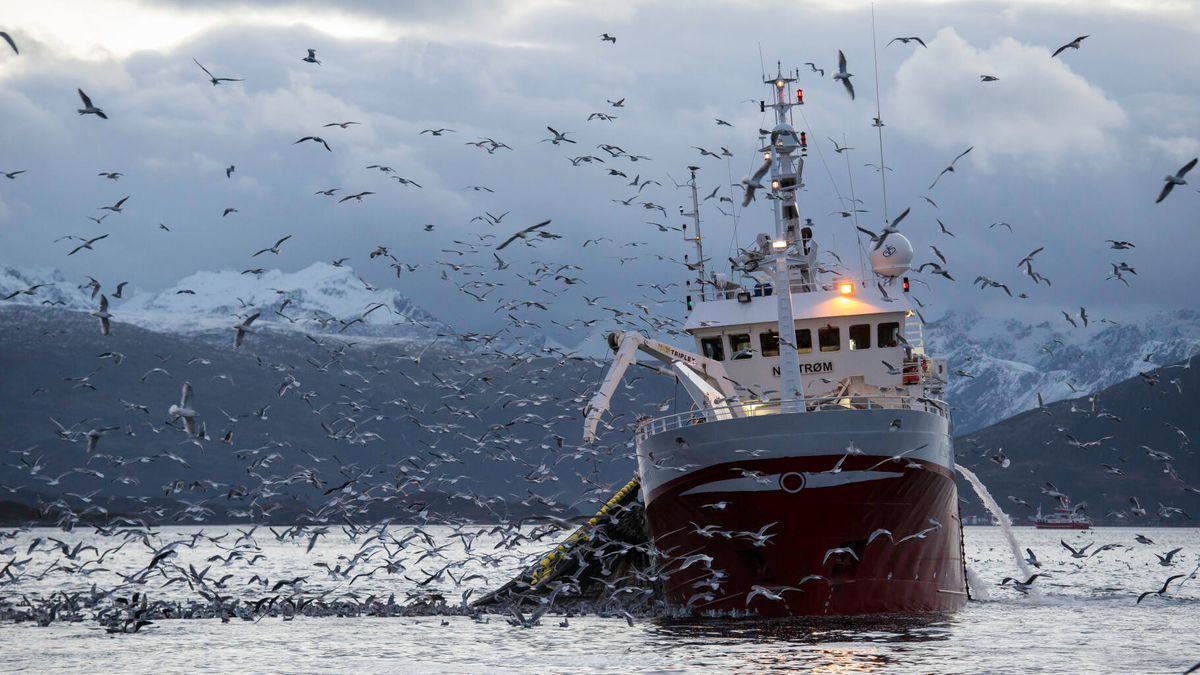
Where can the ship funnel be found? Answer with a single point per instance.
(894, 257)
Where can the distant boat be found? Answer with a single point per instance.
(1063, 518)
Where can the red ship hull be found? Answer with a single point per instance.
(1063, 526)
(818, 543)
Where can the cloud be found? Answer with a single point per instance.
(1040, 111)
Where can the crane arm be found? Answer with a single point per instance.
(703, 378)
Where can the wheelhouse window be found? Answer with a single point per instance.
(739, 346)
(803, 341)
(768, 343)
(889, 335)
(713, 348)
(830, 338)
(860, 336)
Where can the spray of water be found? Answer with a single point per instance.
(1000, 516)
(978, 589)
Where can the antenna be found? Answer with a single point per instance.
(879, 115)
(761, 63)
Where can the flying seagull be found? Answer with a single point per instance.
(1176, 179)
(558, 138)
(184, 410)
(88, 108)
(815, 69)
(891, 228)
(988, 78)
(608, 38)
(216, 80)
(522, 234)
(950, 169)
(273, 249)
(103, 315)
(312, 57)
(906, 40)
(1073, 44)
(315, 139)
(242, 328)
(844, 76)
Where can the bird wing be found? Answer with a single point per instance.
(9, 40)
(282, 240)
(103, 303)
(203, 68)
(1186, 168)
(849, 87)
(250, 319)
(920, 42)
(185, 398)
(87, 102)
(841, 62)
(1060, 50)
(960, 155)
(118, 204)
(762, 171)
(1165, 191)
(903, 214)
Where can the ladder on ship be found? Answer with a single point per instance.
(914, 334)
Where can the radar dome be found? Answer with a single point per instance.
(894, 257)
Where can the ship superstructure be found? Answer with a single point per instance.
(813, 473)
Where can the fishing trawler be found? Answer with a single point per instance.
(1064, 517)
(814, 472)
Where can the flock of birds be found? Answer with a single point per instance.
(345, 492)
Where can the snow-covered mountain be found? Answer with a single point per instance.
(1006, 363)
(57, 292)
(318, 298)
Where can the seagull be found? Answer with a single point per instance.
(767, 593)
(722, 123)
(358, 196)
(103, 315)
(1022, 586)
(229, 170)
(316, 139)
(906, 40)
(837, 551)
(1029, 258)
(12, 175)
(115, 208)
(24, 291)
(949, 169)
(558, 138)
(1162, 590)
(87, 244)
(844, 76)
(343, 125)
(184, 410)
(620, 103)
(988, 78)
(9, 40)
(88, 108)
(839, 149)
(1174, 180)
(273, 249)
(891, 228)
(608, 38)
(312, 57)
(1119, 245)
(216, 80)
(1080, 553)
(435, 132)
(111, 175)
(1073, 44)
(815, 69)
(1165, 559)
(942, 227)
(1032, 559)
(242, 328)
(753, 183)
(522, 234)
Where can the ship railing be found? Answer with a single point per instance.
(710, 292)
(757, 408)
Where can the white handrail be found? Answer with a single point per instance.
(756, 408)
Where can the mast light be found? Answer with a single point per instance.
(846, 288)
(779, 84)
(779, 244)
(800, 96)
(774, 185)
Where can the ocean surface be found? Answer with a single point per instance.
(1082, 617)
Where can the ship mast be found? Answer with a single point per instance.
(786, 171)
(695, 238)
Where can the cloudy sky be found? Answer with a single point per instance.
(1070, 151)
